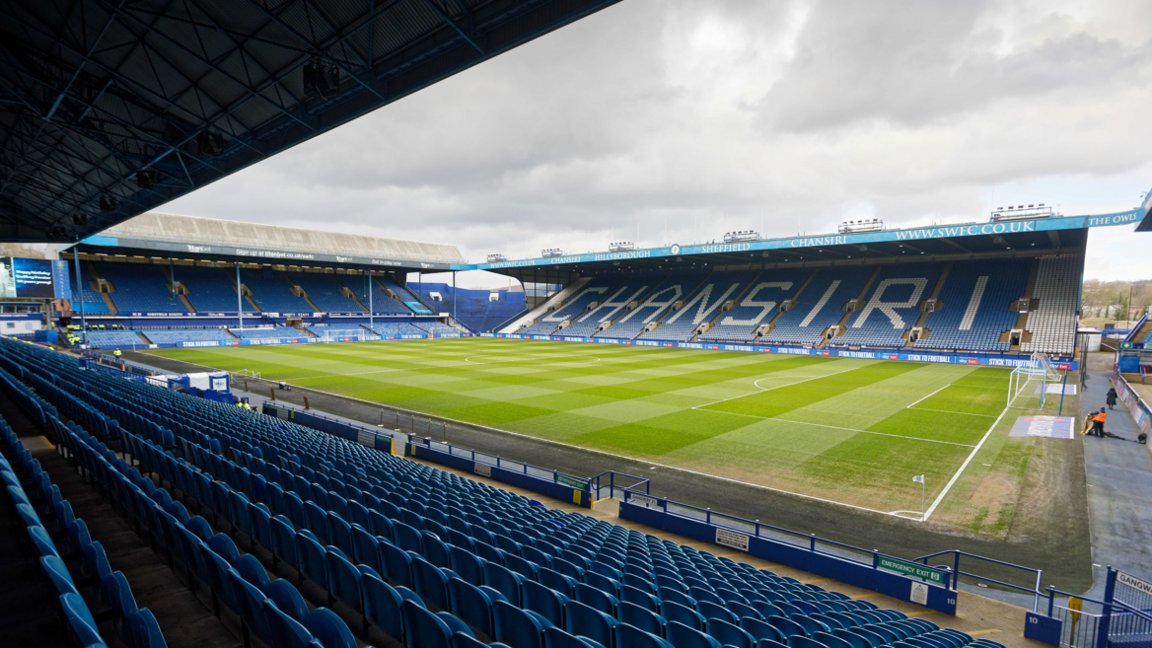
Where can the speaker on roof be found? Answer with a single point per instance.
(80, 218)
(321, 79)
(210, 143)
(147, 178)
(108, 203)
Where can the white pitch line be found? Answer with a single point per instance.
(756, 384)
(928, 409)
(940, 497)
(930, 395)
(836, 427)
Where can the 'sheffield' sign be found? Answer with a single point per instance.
(912, 569)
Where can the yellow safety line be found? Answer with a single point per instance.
(983, 632)
(45, 440)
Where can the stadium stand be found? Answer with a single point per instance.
(94, 303)
(272, 292)
(1057, 291)
(407, 297)
(655, 305)
(140, 288)
(324, 291)
(613, 305)
(756, 306)
(111, 339)
(380, 302)
(891, 306)
(337, 330)
(395, 540)
(593, 291)
(473, 308)
(211, 289)
(976, 306)
(58, 538)
(435, 328)
(818, 306)
(284, 332)
(703, 305)
(396, 330)
(176, 336)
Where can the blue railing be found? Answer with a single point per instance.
(957, 572)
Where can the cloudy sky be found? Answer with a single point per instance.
(667, 121)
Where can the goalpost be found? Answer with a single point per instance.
(1028, 384)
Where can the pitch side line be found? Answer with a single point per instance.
(929, 396)
(948, 487)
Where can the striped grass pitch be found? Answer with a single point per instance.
(846, 430)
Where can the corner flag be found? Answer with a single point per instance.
(918, 478)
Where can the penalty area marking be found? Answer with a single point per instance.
(940, 497)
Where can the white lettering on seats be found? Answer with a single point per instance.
(657, 306)
(702, 298)
(820, 304)
(750, 301)
(615, 306)
(889, 308)
(974, 303)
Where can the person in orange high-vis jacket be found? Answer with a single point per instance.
(1098, 422)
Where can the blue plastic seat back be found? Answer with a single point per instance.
(58, 573)
(683, 636)
(544, 601)
(633, 637)
(471, 604)
(518, 628)
(711, 610)
(430, 583)
(330, 629)
(584, 621)
(80, 620)
(424, 629)
(788, 627)
(382, 606)
(344, 580)
(397, 564)
(762, 630)
(556, 638)
(252, 609)
(597, 599)
(287, 599)
(144, 629)
(286, 631)
(340, 534)
(467, 565)
(640, 617)
(311, 556)
(811, 625)
(365, 548)
(796, 641)
(406, 537)
(554, 580)
(729, 634)
(503, 580)
(435, 550)
(683, 614)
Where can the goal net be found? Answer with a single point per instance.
(348, 336)
(1028, 385)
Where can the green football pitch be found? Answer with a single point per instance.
(849, 431)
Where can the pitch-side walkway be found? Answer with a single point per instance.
(1119, 491)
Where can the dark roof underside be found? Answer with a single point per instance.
(92, 91)
(1066, 241)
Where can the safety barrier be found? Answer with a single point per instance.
(1122, 619)
(901, 579)
(1140, 409)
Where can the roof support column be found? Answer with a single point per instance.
(239, 297)
(80, 285)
